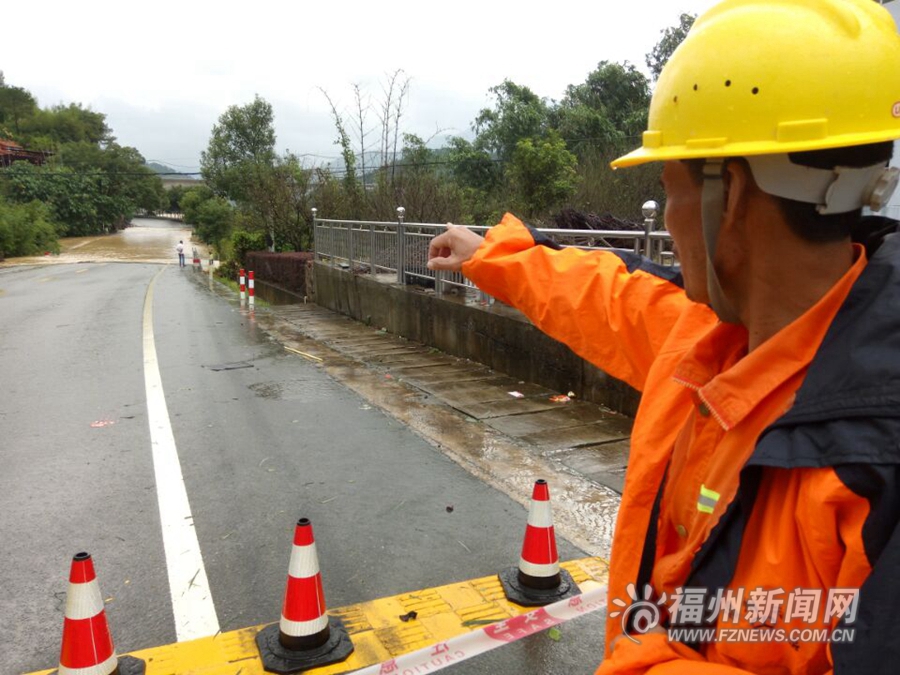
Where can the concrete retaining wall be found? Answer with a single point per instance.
(497, 336)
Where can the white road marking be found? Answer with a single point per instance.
(192, 602)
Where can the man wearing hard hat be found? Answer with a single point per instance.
(758, 530)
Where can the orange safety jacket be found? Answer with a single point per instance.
(756, 482)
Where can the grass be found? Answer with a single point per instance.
(234, 286)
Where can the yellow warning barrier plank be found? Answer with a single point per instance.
(375, 627)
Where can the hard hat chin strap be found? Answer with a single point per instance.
(712, 210)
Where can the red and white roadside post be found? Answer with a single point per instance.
(252, 300)
(243, 290)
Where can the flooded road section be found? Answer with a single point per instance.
(146, 240)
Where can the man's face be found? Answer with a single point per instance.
(683, 220)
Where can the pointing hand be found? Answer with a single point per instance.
(450, 249)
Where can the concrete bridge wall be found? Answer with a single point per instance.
(497, 336)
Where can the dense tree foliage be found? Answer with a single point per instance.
(608, 107)
(271, 191)
(89, 184)
(16, 105)
(518, 113)
(543, 173)
(241, 149)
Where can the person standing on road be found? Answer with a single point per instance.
(763, 488)
(180, 248)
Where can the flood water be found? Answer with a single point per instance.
(146, 240)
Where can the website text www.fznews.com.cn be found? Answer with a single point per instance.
(761, 635)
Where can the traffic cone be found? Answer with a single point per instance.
(87, 645)
(538, 580)
(306, 637)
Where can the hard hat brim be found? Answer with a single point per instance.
(701, 149)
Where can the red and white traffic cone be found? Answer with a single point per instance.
(306, 637)
(538, 580)
(241, 275)
(250, 289)
(87, 646)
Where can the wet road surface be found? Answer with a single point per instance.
(260, 444)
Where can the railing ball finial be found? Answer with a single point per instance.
(650, 209)
(401, 213)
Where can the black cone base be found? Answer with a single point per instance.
(277, 659)
(536, 597)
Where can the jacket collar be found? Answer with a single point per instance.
(856, 371)
(732, 383)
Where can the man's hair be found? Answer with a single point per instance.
(803, 219)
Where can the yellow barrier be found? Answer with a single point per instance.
(377, 631)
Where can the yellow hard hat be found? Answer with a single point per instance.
(756, 77)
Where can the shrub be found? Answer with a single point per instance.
(242, 242)
(25, 229)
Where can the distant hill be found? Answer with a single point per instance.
(161, 168)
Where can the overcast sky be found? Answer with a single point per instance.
(163, 72)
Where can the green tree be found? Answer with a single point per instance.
(517, 113)
(49, 128)
(472, 165)
(191, 202)
(16, 104)
(128, 184)
(671, 38)
(292, 191)
(173, 195)
(609, 106)
(214, 220)
(354, 195)
(240, 150)
(73, 199)
(543, 173)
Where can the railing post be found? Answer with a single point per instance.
(401, 245)
(372, 268)
(649, 208)
(315, 233)
(350, 245)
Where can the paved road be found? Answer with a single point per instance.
(259, 445)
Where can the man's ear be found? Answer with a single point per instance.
(739, 184)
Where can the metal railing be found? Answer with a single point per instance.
(398, 251)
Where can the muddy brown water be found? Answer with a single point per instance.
(146, 240)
